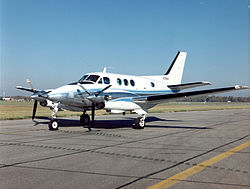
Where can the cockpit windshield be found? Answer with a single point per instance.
(84, 77)
(89, 79)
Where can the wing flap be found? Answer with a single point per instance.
(188, 85)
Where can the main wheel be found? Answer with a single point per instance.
(53, 125)
(139, 123)
(84, 119)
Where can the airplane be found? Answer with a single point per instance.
(118, 93)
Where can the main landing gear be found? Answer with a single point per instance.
(140, 122)
(84, 119)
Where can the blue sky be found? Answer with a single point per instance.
(54, 42)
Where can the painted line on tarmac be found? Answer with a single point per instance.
(195, 169)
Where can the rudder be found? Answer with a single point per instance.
(175, 71)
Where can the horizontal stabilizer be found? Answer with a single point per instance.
(187, 85)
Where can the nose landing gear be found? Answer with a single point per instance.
(53, 124)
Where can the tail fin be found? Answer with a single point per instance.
(175, 71)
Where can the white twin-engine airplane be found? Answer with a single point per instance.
(118, 93)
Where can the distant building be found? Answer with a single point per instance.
(6, 99)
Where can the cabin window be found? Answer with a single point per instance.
(125, 82)
(132, 82)
(106, 80)
(152, 84)
(119, 81)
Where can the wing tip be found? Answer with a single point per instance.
(206, 82)
(239, 87)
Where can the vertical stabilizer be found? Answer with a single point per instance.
(175, 71)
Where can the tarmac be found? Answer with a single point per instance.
(202, 149)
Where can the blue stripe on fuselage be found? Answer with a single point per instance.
(120, 92)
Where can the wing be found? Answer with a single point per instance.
(188, 85)
(157, 99)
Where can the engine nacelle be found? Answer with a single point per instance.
(46, 103)
(99, 100)
(100, 105)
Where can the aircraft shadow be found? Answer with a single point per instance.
(105, 124)
(115, 124)
(177, 127)
(152, 119)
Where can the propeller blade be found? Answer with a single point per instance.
(34, 109)
(30, 84)
(93, 113)
(83, 88)
(102, 90)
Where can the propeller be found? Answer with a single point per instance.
(35, 103)
(97, 94)
(34, 109)
(30, 84)
(92, 98)
(93, 114)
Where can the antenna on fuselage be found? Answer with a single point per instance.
(104, 70)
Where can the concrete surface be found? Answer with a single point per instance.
(116, 156)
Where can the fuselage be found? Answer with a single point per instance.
(122, 88)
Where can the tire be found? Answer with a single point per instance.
(139, 123)
(53, 125)
(44, 103)
(84, 119)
